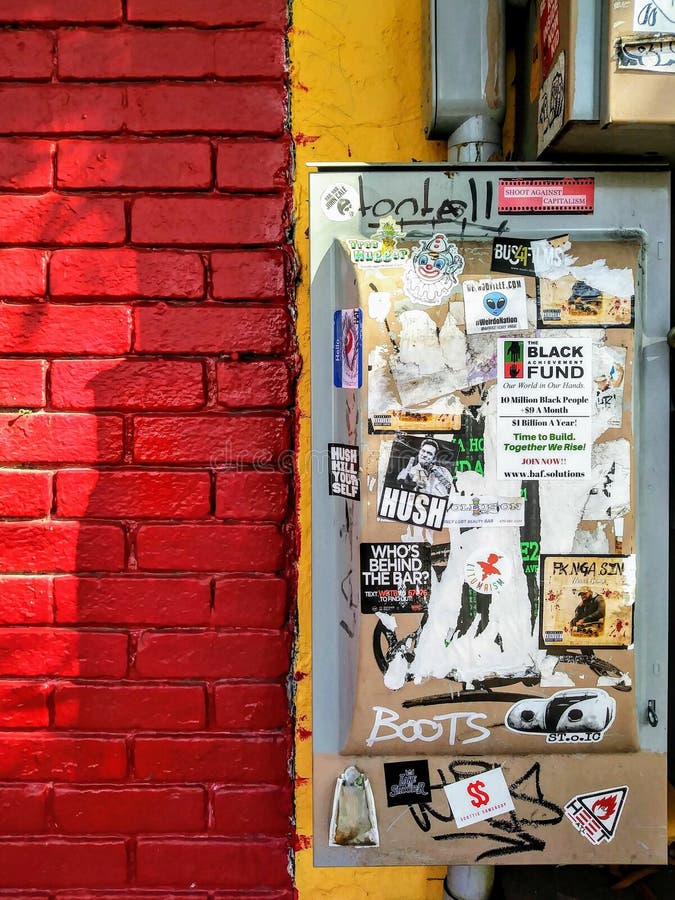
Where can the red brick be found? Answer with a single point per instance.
(248, 275)
(55, 863)
(23, 809)
(250, 602)
(251, 706)
(135, 894)
(209, 654)
(253, 895)
(25, 164)
(127, 384)
(270, 13)
(26, 601)
(60, 437)
(233, 760)
(120, 707)
(200, 221)
(253, 165)
(61, 220)
(264, 810)
(64, 329)
(24, 493)
(132, 601)
(60, 547)
(126, 273)
(88, 810)
(206, 108)
(22, 382)
(23, 273)
(210, 439)
(23, 705)
(121, 163)
(56, 11)
(208, 548)
(211, 329)
(137, 53)
(212, 863)
(250, 384)
(52, 651)
(131, 494)
(61, 108)
(57, 758)
(132, 894)
(25, 55)
(251, 495)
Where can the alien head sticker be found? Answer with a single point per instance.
(495, 304)
(432, 271)
(571, 716)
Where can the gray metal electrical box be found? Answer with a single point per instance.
(489, 513)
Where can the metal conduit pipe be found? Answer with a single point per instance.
(468, 882)
(464, 77)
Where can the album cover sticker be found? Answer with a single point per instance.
(587, 601)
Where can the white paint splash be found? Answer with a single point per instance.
(379, 305)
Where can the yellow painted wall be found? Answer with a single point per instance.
(356, 95)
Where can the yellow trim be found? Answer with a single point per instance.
(355, 95)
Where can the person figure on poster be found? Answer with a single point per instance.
(422, 473)
(590, 613)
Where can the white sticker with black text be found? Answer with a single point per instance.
(480, 797)
(495, 304)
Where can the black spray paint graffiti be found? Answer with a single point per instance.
(511, 832)
(552, 104)
(422, 210)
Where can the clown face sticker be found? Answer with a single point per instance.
(495, 304)
(432, 271)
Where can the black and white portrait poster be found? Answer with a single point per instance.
(419, 478)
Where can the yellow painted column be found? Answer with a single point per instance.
(355, 96)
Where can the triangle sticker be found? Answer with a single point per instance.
(605, 807)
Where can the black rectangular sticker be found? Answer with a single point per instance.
(407, 782)
(343, 471)
(395, 577)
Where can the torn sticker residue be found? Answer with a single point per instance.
(647, 56)
(353, 821)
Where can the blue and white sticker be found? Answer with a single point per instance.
(348, 348)
(495, 305)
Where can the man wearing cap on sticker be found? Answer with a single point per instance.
(590, 613)
(423, 474)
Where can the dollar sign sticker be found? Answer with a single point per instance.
(474, 790)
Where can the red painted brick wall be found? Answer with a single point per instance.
(146, 389)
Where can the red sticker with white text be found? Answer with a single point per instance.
(520, 196)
